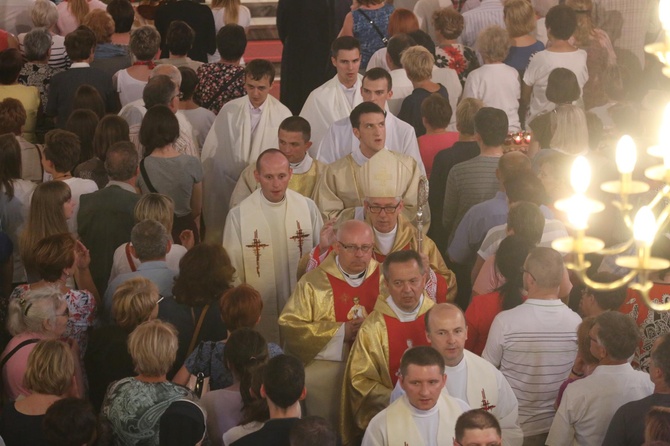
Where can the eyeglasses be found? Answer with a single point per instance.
(524, 270)
(387, 209)
(353, 249)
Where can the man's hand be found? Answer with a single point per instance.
(327, 236)
(187, 239)
(82, 256)
(351, 328)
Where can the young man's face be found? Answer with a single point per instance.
(423, 385)
(293, 145)
(376, 91)
(371, 132)
(257, 90)
(347, 64)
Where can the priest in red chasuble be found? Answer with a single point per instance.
(325, 311)
(395, 325)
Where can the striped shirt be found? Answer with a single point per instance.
(488, 13)
(58, 58)
(468, 184)
(534, 345)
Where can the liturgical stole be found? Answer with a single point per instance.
(401, 429)
(403, 336)
(343, 295)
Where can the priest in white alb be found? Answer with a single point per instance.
(340, 191)
(242, 130)
(294, 142)
(267, 234)
(424, 416)
(340, 141)
(337, 97)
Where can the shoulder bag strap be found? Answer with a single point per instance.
(385, 41)
(16, 349)
(145, 177)
(129, 257)
(196, 332)
(222, 88)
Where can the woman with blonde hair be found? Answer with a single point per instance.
(228, 12)
(57, 258)
(40, 314)
(71, 14)
(449, 53)
(157, 207)
(49, 378)
(107, 358)
(134, 405)
(50, 207)
(599, 52)
(520, 22)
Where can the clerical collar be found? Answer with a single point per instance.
(303, 166)
(355, 280)
(386, 241)
(403, 315)
(270, 203)
(358, 156)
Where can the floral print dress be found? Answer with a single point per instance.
(461, 59)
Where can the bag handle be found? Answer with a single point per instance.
(16, 349)
(196, 332)
(129, 257)
(209, 103)
(145, 177)
(385, 41)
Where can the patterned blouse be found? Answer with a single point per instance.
(80, 305)
(367, 34)
(134, 409)
(219, 83)
(38, 75)
(458, 57)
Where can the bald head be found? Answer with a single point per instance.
(447, 332)
(511, 165)
(355, 228)
(167, 70)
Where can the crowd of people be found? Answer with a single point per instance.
(186, 258)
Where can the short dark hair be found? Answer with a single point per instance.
(297, 124)
(180, 38)
(87, 97)
(121, 161)
(312, 430)
(362, 109)
(231, 41)
(374, 74)
(423, 39)
(525, 187)
(257, 69)
(402, 256)
(284, 380)
(437, 111)
(70, 421)
(79, 43)
(123, 14)
(189, 80)
(422, 356)
(607, 300)
(159, 91)
(53, 254)
(475, 419)
(160, 127)
(561, 22)
(11, 63)
(344, 43)
(491, 125)
(397, 44)
(526, 220)
(110, 130)
(62, 149)
(618, 333)
(562, 86)
(660, 356)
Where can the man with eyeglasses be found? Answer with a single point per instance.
(315, 322)
(267, 234)
(477, 427)
(396, 324)
(424, 414)
(535, 344)
(339, 195)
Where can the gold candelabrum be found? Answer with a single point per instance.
(648, 219)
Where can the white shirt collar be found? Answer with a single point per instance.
(404, 316)
(385, 241)
(79, 65)
(358, 156)
(123, 185)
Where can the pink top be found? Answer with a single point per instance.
(429, 145)
(15, 368)
(67, 22)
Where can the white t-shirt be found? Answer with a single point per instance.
(79, 187)
(498, 86)
(541, 65)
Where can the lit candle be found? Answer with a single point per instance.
(580, 175)
(664, 13)
(626, 157)
(644, 232)
(664, 137)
